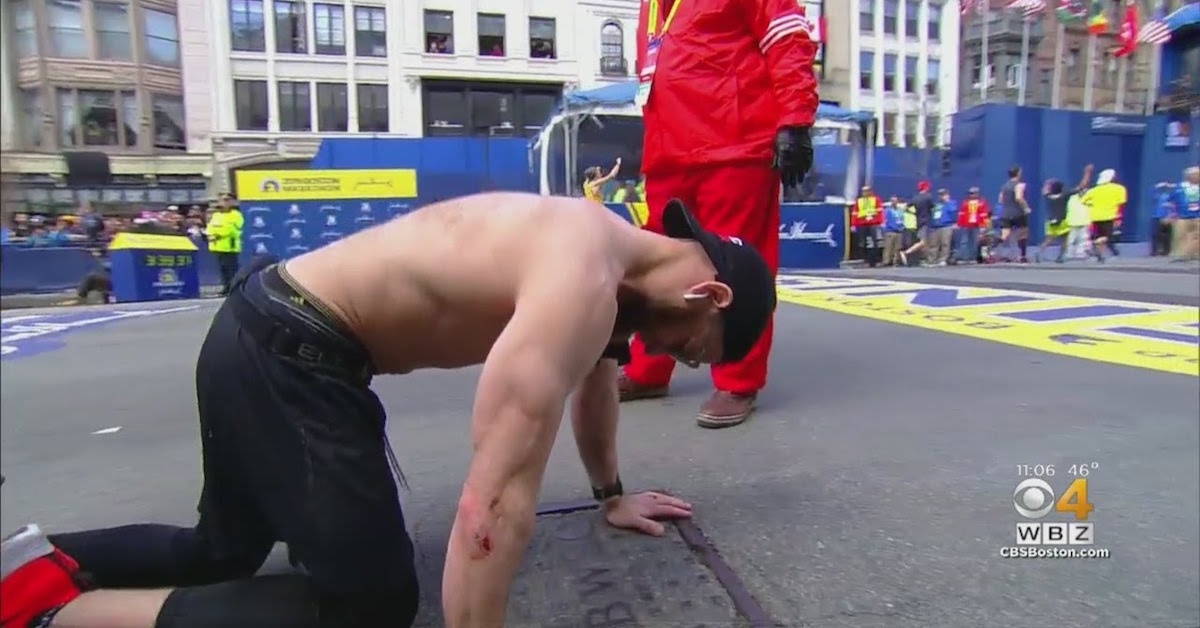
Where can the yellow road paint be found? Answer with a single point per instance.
(1132, 333)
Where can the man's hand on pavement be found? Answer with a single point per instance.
(793, 154)
(639, 511)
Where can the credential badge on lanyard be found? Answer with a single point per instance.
(654, 39)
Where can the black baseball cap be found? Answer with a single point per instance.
(738, 266)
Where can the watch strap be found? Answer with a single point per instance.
(605, 493)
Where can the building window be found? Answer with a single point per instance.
(112, 31)
(250, 101)
(891, 13)
(912, 130)
(97, 118)
(246, 25)
(445, 112)
(24, 28)
(492, 113)
(934, 25)
(162, 38)
(889, 72)
(491, 35)
(66, 29)
(329, 25)
(332, 111)
(536, 109)
(295, 106)
(933, 75)
(911, 25)
(910, 75)
(541, 38)
(889, 129)
(932, 136)
(370, 31)
(291, 29)
(439, 32)
(131, 117)
(866, 70)
(32, 115)
(373, 108)
(612, 50)
(1045, 81)
(1073, 65)
(169, 122)
(1012, 76)
(866, 16)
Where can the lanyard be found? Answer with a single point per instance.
(652, 23)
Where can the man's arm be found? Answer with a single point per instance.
(786, 38)
(594, 413)
(558, 331)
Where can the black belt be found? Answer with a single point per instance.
(283, 341)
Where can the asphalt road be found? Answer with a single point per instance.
(874, 487)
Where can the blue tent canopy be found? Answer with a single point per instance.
(622, 94)
(1187, 15)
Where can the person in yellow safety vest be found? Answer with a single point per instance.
(866, 220)
(224, 233)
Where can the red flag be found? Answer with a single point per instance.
(1129, 32)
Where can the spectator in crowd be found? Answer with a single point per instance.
(1105, 203)
(922, 208)
(866, 220)
(91, 223)
(1058, 196)
(1187, 227)
(627, 193)
(6, 232)
(1164, 215)
(224, 233)
(972, 216)
(945, 213)
(594, 180)
(893, 232)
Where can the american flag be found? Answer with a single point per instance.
(1028, 8)
(967, 5)
(1155, 32)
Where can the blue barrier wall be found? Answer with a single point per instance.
(48, 270)
(446, 166)
(1049, 143)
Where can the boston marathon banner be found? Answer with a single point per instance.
(289, 212)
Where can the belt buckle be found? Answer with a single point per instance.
(308, 352)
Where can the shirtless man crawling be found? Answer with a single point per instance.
(541, 291)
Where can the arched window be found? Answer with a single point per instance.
(612, 49)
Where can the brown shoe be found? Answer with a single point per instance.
(633, 391)
(725, 409)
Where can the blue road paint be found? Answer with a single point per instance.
(1075, 313)
(27, 335)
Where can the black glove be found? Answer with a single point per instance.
(793, 154)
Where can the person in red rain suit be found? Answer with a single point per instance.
(728, 96)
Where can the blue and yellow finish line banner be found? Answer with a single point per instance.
(309, 185)
(1131, 333)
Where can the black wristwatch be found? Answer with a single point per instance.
(605, 493)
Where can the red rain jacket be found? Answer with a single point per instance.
(729, 74)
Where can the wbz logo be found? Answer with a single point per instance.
(1034, 499)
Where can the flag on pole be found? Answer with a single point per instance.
(1070, 10)
(1129, 32)
(1097, 21)
(1156, 32)
(965, 6)
(1028, 8)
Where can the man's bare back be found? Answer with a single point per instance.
(435, 288)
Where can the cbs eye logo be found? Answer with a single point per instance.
(1034, 498)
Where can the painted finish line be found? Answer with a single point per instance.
(1144, 335)
(30, 334)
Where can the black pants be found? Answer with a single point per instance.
(1160, 241)
(227, 264)
(293, 450)
(871, 241)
